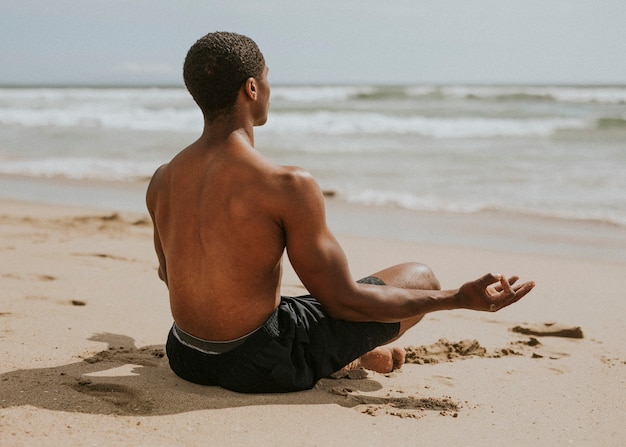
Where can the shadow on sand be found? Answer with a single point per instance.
(126, 380)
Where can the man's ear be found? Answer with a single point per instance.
(251, 88)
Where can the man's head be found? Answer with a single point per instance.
(216, 67)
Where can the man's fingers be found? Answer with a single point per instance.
(512, 280)
(505, 293)
(506, 287)
(524, 288)
(489, 279)
(520, 292)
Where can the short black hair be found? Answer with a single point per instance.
(215, 68)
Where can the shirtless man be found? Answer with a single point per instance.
(223, 216)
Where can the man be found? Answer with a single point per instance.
(223, 216)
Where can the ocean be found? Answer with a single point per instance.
(550, 151)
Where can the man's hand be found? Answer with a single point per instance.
(492, 293)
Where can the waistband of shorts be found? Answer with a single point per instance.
(270, 327)
(206, 346)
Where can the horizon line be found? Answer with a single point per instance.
(317, 84)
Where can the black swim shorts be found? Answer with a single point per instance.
(298, 345)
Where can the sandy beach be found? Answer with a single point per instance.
(83, 321)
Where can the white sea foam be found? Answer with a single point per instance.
(465, 204)
(345, 123)
(173, 110)
(125, 117)
(127, 109)
(81, 168)
(131, 117)
(566, 94)
(308, 94)
(411, 201)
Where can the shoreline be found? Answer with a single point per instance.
(493, 230)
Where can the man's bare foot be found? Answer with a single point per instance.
(381, 359)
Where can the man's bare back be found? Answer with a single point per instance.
(216, 208)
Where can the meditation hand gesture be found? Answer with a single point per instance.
(492, 293)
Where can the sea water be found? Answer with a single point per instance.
(554, 151)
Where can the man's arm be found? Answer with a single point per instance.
(323, 268)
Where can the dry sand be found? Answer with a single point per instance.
(83, 319)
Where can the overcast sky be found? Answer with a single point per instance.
(319, 41)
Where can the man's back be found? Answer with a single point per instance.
(217, 221)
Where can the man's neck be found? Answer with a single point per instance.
(226, 128)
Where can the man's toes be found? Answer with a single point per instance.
(398, 355)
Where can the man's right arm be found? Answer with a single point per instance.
(323, 268)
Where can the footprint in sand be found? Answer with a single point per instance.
(403, 407)
(123, 399)
(127, 359)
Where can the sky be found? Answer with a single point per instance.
(144, 42)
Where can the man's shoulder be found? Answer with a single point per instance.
(293, 187)
(159, 174)
(294, 177)
(156, 183)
